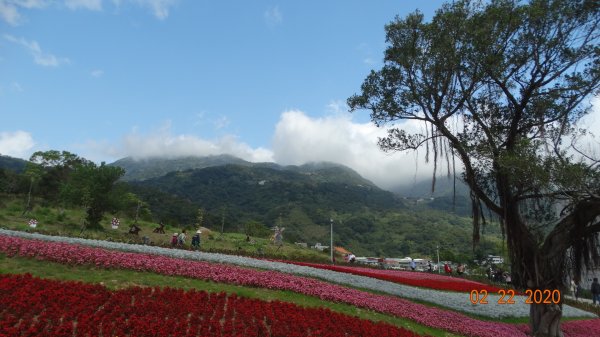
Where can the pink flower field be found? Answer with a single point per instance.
(422, 314)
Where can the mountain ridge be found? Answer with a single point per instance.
(12, 163)
(153, 167)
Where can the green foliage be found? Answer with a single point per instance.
(447, 255)
(142, 169)
(261, 193)
(501, 85)
(254, 228)
(13, 164)
(363, 224)
(368, 221)
(12, 182)
(91, 187)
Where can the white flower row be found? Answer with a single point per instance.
(454, 300)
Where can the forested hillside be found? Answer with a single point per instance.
(251, 198)
(262, 193)
(367, 220)
(10, 163)
(146, 168)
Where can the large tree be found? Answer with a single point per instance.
(93, 187)
(501, 86)
(67, 178)
(47, 170)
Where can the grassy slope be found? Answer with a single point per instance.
(69, 224)
(117, 279)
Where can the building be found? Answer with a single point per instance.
(318, 246)
(494, 259)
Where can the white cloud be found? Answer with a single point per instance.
(39, 56)
(162, 143)
(273, 16)
(9, 9)
(299, 139)
(97, 73)
(9, 13)
(337, 107)
(94, 5)
(160, 8)
(16, 144)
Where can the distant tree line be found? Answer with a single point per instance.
(64, 179)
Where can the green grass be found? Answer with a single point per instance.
(68, 222)
(119, 279)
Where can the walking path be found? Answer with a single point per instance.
(581, 299)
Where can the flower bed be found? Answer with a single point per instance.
(433, 317)
(429, 316)
(454, 300)
(419, 279)
(37, 307)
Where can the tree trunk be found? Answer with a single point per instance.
(544, 320)
(532, 268)
(28, 206)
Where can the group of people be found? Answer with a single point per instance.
(460, 268)
(178, 240)
(498, 275)
(576, 290)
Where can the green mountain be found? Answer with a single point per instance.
(261, 193)
(11, 177)
(447, 196)
(367, 219)
(422, 189)
(146, 168)
(13, 164)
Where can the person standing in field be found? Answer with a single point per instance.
(174, 240)
(595, 291)
(196, 240)
(181, 239)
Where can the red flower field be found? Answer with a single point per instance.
(38, 307)
(102, 258)
(418, 279)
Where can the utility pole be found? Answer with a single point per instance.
(200, 217)
(222, 220)
(331, 242)
(438, 254)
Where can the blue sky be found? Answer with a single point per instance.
(262, 80)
